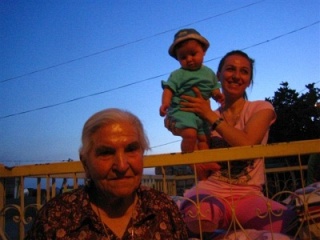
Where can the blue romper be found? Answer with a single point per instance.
(180, 82)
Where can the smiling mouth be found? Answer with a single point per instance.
(120, 178)
(234, 83)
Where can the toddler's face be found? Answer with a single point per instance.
(190, 55)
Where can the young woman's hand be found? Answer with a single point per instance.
(197, 104)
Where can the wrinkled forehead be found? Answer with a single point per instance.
(117, 132)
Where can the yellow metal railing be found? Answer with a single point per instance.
(17, 211)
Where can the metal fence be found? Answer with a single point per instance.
(24, 189)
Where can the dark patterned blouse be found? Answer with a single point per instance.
(70, 216)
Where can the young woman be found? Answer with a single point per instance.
(238, 122)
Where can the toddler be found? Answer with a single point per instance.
(189, 48)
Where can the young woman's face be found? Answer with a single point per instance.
(115, 161)
(235, 75)
(190, 55)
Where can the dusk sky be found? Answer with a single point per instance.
(61, 61)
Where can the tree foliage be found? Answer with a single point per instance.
(298, 116)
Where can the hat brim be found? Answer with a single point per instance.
(197, 37)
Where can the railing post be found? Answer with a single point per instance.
(64, 185)
(53, 188)
(2, 203)
(39, 193)
(48, 195)
(75, 181)
(22, 207)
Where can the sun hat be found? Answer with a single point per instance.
(186, 34)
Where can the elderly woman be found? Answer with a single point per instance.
(113, 205)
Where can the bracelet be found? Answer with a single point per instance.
(216, 124)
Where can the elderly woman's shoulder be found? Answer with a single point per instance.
(72, 202)
(151, 194)
(69, 198)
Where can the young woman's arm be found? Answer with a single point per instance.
(255, 129)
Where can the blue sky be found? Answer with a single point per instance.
(61, 61)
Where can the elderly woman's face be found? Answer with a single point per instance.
(115, 161)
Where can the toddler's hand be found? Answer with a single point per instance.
(163, 110)
(219, 98)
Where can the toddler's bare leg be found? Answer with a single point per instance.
(202, 142)
(189, 139)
